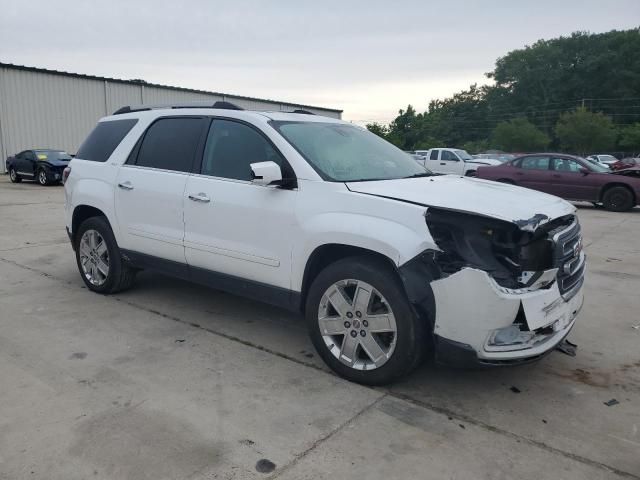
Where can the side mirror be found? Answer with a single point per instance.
(266, 173)
(585, 171)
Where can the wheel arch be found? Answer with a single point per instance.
(82, 213)
(326, 254)
(611, 185)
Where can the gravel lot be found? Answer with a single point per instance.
(172, 380)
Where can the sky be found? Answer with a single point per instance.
(369, 58)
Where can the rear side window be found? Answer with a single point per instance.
(535, 163)
(434, 155)
(104, 139)
(171, 144)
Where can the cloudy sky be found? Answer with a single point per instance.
(367, 57)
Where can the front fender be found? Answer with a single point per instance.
(392, 239)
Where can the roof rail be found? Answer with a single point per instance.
(306, 112)
(222, 105)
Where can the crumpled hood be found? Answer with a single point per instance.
(485, 161)
(522, 206)
(58, 163)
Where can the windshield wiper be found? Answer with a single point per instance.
(419, 175)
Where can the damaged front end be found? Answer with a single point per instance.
(503, 292)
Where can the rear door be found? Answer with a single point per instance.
(534, 172)
(571, 183)
(233, 226)
(150, 187)
(432, 161)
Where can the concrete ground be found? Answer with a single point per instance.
(172, 380)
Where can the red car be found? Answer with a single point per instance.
(625, 163)
(572, 178)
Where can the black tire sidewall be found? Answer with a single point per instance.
(101, 225)
(15, 178)
(410, 342)
(628, 205)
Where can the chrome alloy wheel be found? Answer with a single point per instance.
(357, 324)
(94, 257)
(42, 177)
(13, 175)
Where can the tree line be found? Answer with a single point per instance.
(579, 94)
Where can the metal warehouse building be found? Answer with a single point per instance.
(42, 108)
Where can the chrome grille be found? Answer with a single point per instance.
(569, 258)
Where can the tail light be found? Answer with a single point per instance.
(65, 174)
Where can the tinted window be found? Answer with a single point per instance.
(565, 165)
(434, 155)
(446, 155)
(232, 147)
(171, 144)
(29, 155)
(104, 139)
(535, 163)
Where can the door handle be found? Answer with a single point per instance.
(125, 186)
(442, 163)
(200, 197)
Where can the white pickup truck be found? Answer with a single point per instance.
(452, 160)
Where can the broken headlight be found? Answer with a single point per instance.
(514, 258)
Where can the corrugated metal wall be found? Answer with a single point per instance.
(46, 110)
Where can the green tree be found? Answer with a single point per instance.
(380, 130)
(630, 138)
(519, 135)
(584, 132)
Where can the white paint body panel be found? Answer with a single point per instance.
(483, 197)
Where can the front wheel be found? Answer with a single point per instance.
(361, 323)
(99, 259)
(43, 178)
(618, 199)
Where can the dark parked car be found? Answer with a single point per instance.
(41, 165)
(572, 178)
(628, 162)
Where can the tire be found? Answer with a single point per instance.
(471, 173)
(42, 178)
(618, 199)
(13, 176)
(105, 251)
(397, 353)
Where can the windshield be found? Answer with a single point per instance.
(346, 153)
(52, 155)
(595, 166)
(463, 155)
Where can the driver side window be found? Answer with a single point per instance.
(565, 165)
(450, 156)
(231, 147)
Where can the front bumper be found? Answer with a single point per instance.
(470, 307)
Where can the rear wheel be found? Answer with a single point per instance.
(13, 175)
(618, 199)
(361, 322)
(99, 259)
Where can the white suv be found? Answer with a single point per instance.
(386, 261)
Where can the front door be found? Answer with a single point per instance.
(150, 188)
(233, 226)
(450, 163)
(571, 183)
